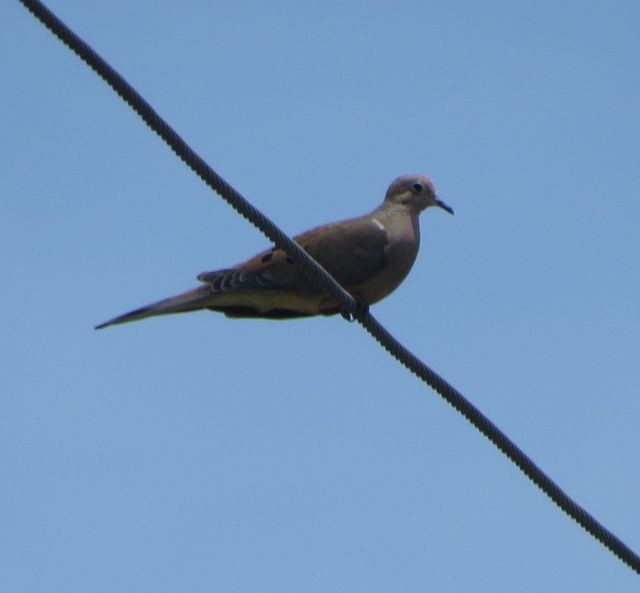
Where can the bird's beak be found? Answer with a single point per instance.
(444, 206)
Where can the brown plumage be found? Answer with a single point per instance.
(369, 256)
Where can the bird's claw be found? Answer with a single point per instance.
(362, 309)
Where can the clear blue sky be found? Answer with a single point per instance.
(197, 453)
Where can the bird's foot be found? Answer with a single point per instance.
(362, 309)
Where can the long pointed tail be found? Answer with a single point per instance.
(192, 300)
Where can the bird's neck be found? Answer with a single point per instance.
(390, 209)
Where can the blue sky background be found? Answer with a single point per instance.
(197, 453)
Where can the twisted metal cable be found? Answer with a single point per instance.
(452, 396)
(314, 272)
(320, 278)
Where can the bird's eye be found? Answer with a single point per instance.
(417, 187)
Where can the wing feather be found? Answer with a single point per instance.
(351, 251)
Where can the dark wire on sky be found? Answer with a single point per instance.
(319, 277)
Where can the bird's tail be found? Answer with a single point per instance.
(198, 298)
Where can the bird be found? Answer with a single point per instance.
(369, 256)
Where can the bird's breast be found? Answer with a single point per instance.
(401, 253)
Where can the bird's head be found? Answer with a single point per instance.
(415, 192)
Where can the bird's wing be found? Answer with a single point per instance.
(351, 251)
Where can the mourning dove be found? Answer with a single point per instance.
(369, 256)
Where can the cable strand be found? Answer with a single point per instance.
(320, 278)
